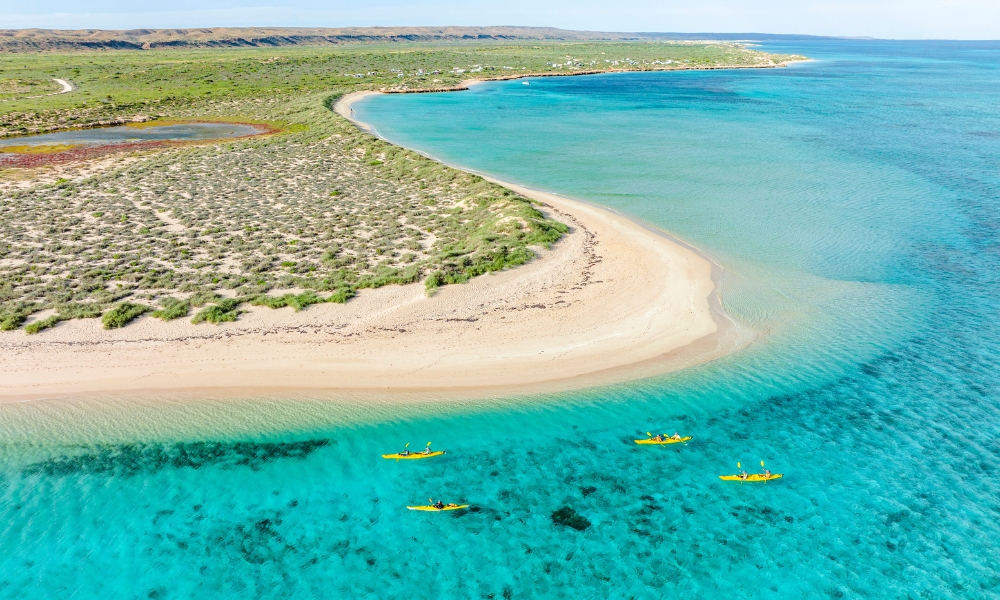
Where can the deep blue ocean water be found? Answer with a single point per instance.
(853, 207)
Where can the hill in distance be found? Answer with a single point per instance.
(34, 40)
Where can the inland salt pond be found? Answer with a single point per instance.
(34, 150)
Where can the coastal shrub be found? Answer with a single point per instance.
(297, 302)
(567, 517)
(122, 314)
(389, 276)
(33, 328)
(9, 322)
(173, 308)
(467, 267)
(330, 101)
(225, 310)
(434, 281)
(342, 295)
(80, 310)
(12, 315)
(201, 298)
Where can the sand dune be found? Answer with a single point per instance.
(612, 300)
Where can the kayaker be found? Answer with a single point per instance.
(743, 475)
(439, 505)
(427, 450)
(767, 474)
(658, 438)
(676, 436)
(405, 452)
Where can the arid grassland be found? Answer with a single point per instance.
(310, 214)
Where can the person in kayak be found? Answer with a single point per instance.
(658, 438)
(427, 450)
(439, 505)
(405, 452)
(676, 436)
(767, 474)
(743, 475)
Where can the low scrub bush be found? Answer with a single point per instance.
(33, 328)
(342, 295)
(172, 309)
(225, 310)
(122, 314)
(80, 310)
(297, 302)
(14, 314)
(9, 322)
(202, 298)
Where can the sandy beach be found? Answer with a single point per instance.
(612, 300)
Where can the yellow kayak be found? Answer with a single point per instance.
(664, 441)
(413, 455)
(433, 508)
(754, 477)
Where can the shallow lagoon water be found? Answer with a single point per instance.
(145, 133)
(851, 204)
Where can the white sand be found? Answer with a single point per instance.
(611, 301)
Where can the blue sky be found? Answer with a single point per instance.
(952, 19)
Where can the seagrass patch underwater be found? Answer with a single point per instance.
(852, 206)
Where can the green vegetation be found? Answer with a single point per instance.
(13, 88)
(123, 84)
(173, 308)
(225, 310)
(13, 314)
(71, 310)
(80, 310)
(297, 302)
(122, 314)
(341, 296)
(203, 297)
(321, 207)
(37, 326)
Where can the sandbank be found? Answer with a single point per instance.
(613, 300)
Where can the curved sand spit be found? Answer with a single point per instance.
(611, 301)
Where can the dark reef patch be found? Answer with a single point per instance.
(568, 517)
(132, 459)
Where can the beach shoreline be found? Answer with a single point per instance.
(613, 301)
(466, 84)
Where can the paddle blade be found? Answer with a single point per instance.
(762, 463)
(737, 465)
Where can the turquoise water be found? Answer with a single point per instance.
(852, 205)
(125, 133)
